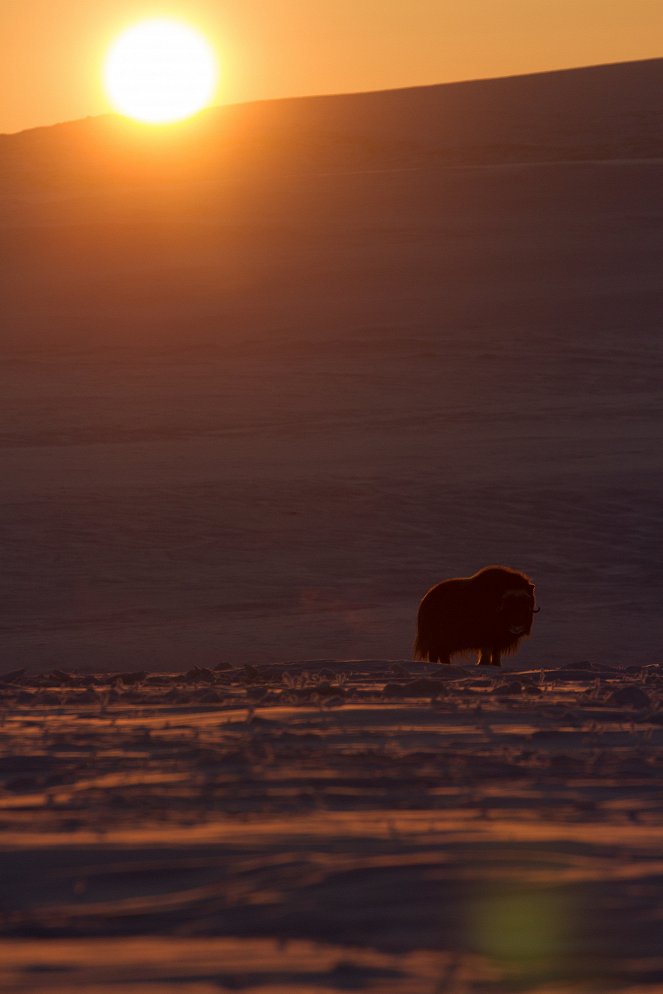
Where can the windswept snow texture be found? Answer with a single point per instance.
(318, 828)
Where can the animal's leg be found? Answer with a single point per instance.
(495, 657)
(484, 658)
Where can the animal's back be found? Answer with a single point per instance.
(460, 614)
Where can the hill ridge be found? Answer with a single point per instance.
(383, 91)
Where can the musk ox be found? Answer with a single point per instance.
(489, 612)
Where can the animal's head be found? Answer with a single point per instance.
(516, 610)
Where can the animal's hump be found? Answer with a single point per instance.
(496, 570)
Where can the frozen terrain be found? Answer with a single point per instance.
(318, 828)
(264, 383)
(264, 436)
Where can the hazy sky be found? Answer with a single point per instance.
(52, 50)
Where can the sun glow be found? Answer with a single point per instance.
(159, 71)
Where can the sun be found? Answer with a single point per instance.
(159, 71)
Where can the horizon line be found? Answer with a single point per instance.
(338, 94)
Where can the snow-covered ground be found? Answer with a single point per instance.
(259, 425)
(252, 405)
(376, 826)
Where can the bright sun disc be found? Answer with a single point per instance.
(160, 71)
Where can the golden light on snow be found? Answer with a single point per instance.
(160, 70)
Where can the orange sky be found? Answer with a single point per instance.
(52, 50)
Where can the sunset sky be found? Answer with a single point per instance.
(53, 52)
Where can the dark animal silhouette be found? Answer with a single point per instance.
(489, 612)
